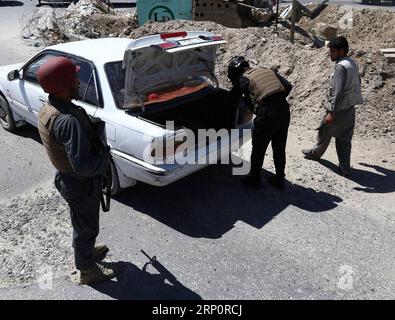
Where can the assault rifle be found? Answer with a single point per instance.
(105, 199)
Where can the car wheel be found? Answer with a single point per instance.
(6, 118)
(115, 188)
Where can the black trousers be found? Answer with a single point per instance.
(83, 198)
(270, 125)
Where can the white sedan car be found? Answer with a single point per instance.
(136, 87)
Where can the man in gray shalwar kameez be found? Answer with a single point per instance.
(344, 95)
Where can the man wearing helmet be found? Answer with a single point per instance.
(264, 91)
(74, 148)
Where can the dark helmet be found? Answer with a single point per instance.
(57, 74)
(237, 66)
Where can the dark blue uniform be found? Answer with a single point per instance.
(270, 124)
(82, 188)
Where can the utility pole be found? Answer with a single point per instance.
(293, 21)
(277, 5)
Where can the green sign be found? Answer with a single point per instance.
(161, 14)
(163, 10)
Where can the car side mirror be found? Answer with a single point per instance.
(12, 75)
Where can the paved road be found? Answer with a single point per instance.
(220, 240)
(386, 4)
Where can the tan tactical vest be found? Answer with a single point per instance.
(263, 83)
(56, 151)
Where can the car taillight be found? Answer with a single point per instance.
(165, 36)
(167, 45)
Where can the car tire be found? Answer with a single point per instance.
(6, 117)
(115, 187)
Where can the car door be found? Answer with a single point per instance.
(88, 96)
(28, 97)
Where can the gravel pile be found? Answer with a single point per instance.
(35, 238)
(307, 68)
(369, 28)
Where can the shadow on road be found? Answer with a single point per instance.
(381, 182)
(5, 3)
(28, 131)
(136, 284)
(209, 203)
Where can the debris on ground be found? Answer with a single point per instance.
(364, 28)
(307, 68)
(88, 19)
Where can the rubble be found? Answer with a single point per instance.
(369, 28)
(328, 32)
(88, 19)
(308, 69)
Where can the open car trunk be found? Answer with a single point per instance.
(211, 110)
(171, 77)
(168, 67)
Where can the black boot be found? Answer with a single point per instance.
(276, 182)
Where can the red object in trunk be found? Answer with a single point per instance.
(152, 96)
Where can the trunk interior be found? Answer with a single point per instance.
(213, 110)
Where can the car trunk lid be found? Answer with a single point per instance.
(164, 67)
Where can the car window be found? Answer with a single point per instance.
(116, 79)
(30, 72)
(87, 89)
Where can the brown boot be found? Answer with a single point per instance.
(99, 251)
(98, 273)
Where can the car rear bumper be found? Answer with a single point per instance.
(164, 174)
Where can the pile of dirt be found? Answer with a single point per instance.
(307, 68)
(364, 28)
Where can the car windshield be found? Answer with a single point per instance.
(116, 79)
